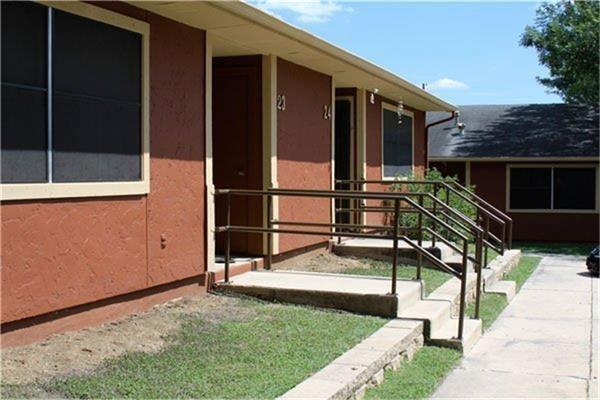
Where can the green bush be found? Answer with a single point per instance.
(410, 220)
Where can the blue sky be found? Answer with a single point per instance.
(468, 53)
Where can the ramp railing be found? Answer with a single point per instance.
(487, 217)
(411, 235)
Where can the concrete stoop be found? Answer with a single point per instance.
(363, 366)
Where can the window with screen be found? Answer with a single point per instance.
(24, 92)
(71, 97)
(397, 144)
(553, 188)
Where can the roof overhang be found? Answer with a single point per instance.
(237, 28)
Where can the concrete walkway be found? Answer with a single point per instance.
(543, 345)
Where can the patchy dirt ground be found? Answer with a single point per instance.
(84, 350)
(320, 262)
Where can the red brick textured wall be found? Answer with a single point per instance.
(303, 148)
(66, 252)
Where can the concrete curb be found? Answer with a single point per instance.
(349, 375)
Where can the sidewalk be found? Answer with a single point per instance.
(541, 345)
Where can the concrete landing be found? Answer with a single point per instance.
(360, 294)
(383, 249)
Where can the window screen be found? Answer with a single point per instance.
(397, 144)
(24, 92)
(96, 101)
(575, 188)
(530, 188)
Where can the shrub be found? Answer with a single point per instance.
(410, 220)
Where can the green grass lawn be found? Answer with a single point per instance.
(262, 356)
(418, 378)
(433, 278)
(573, 249)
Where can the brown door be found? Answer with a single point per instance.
(237, 146)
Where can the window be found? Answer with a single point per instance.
(74, 110)
(397, 143)
(552, 188)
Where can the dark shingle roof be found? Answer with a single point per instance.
(533, 130)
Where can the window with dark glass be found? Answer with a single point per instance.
(397, 144)
(88, 112)
(24, 92)
(574, 188)
(553, 188)
(530, 188)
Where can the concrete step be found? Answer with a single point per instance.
(359, 294)
(450, 291)
(506, 288)
(455, 262)
(433, 312)
(447, 334)
(383, 249)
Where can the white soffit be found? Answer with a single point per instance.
(240, 29)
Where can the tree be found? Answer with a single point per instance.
(566, 37)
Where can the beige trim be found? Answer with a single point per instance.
(243, 29)
(468, 173)
(391, 107)
(208, 161)
(361, 133)
(361, 139)
(26, 191)
(269, 145)
(550, 211)
(332, 135)
(513, 159)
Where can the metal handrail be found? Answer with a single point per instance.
(395, 230)
(484, 209)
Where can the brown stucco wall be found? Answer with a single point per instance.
(374, 147)
(67, 252)
(303, 148)
(489, 179)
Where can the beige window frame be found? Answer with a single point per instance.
(391, 107)
(551, 210)
(48, 190)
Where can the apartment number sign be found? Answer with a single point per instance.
(281, 102)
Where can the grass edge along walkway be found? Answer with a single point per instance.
(262, 355)
(420, 377)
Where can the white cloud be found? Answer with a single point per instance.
(307, 11)
(447, 83)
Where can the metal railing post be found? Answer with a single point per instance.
(463, 289)
(486, 235)
(228, 236)
(395, 246)
(510, 234)
(433, 226)
(420, 226)
(269, 233)
(478, 257)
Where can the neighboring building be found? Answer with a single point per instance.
(120, 118)
(536, 162)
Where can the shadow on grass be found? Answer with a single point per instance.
(571, 249)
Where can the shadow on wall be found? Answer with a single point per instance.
(530, 130)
